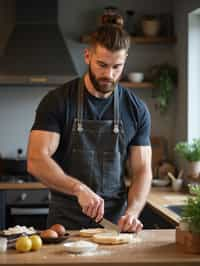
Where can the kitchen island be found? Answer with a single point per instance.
(154, 247)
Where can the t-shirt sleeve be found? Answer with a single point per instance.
(142, 136)
(48, 114)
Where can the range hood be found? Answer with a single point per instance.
(36, 52)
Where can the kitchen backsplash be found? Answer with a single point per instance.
(17, 111)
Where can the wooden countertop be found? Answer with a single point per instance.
(31, 185)
(157, 200)
(157, 247)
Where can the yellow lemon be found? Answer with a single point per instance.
(23, 244)
(36, 242)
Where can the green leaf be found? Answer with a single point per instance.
(189, 151)
(165, 78)
(191, 211)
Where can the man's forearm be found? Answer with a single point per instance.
(52, 175)
(138, 192)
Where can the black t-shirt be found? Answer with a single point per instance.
(58, 108)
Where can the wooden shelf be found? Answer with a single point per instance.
(139, 85)
(153, 40)
(142, 40)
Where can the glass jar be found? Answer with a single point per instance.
(3, 244)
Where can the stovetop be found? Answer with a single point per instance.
(17, 178)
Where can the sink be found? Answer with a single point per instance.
(175, 208)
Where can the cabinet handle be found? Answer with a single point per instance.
(23, 196)
(38, 79)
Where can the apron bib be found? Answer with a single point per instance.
(96, 156)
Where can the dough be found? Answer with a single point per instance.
(112, 238)
(92, 231)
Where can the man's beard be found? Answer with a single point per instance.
(103, 88)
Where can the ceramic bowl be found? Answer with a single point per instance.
(136, 76)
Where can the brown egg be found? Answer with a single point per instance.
(49, 234)
(59, 228)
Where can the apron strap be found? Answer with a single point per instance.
(116, 111)
(81, 104)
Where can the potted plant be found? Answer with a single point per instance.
(191, 153)
(189, 234)
(191, 211)
(164, 77)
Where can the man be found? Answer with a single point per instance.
(83, 135)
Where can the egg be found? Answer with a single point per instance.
(49, 233)
(59, 229)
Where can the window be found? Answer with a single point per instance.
(194, 75)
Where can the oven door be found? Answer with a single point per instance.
(32, 215)
(27, 207)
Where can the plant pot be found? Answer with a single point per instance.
(180, 234)
(193, 169)
(150, 27)
(188, 241)
(192, 242)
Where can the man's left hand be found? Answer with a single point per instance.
(129, 223)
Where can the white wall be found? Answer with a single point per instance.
(17, 111)
(18, 104)
(193, 126)
(181, 10)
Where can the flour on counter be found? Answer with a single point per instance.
(136, 239)
(80, 246)
(93, 253)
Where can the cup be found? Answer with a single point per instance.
(177, 184)
(3, 244)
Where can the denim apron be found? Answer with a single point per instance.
(96, 156)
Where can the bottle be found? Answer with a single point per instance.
(129, 24)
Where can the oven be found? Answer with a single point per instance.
(27, 207)
(24, 207)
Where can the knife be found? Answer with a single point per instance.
(109, 225)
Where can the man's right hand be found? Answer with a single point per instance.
(92, 205)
